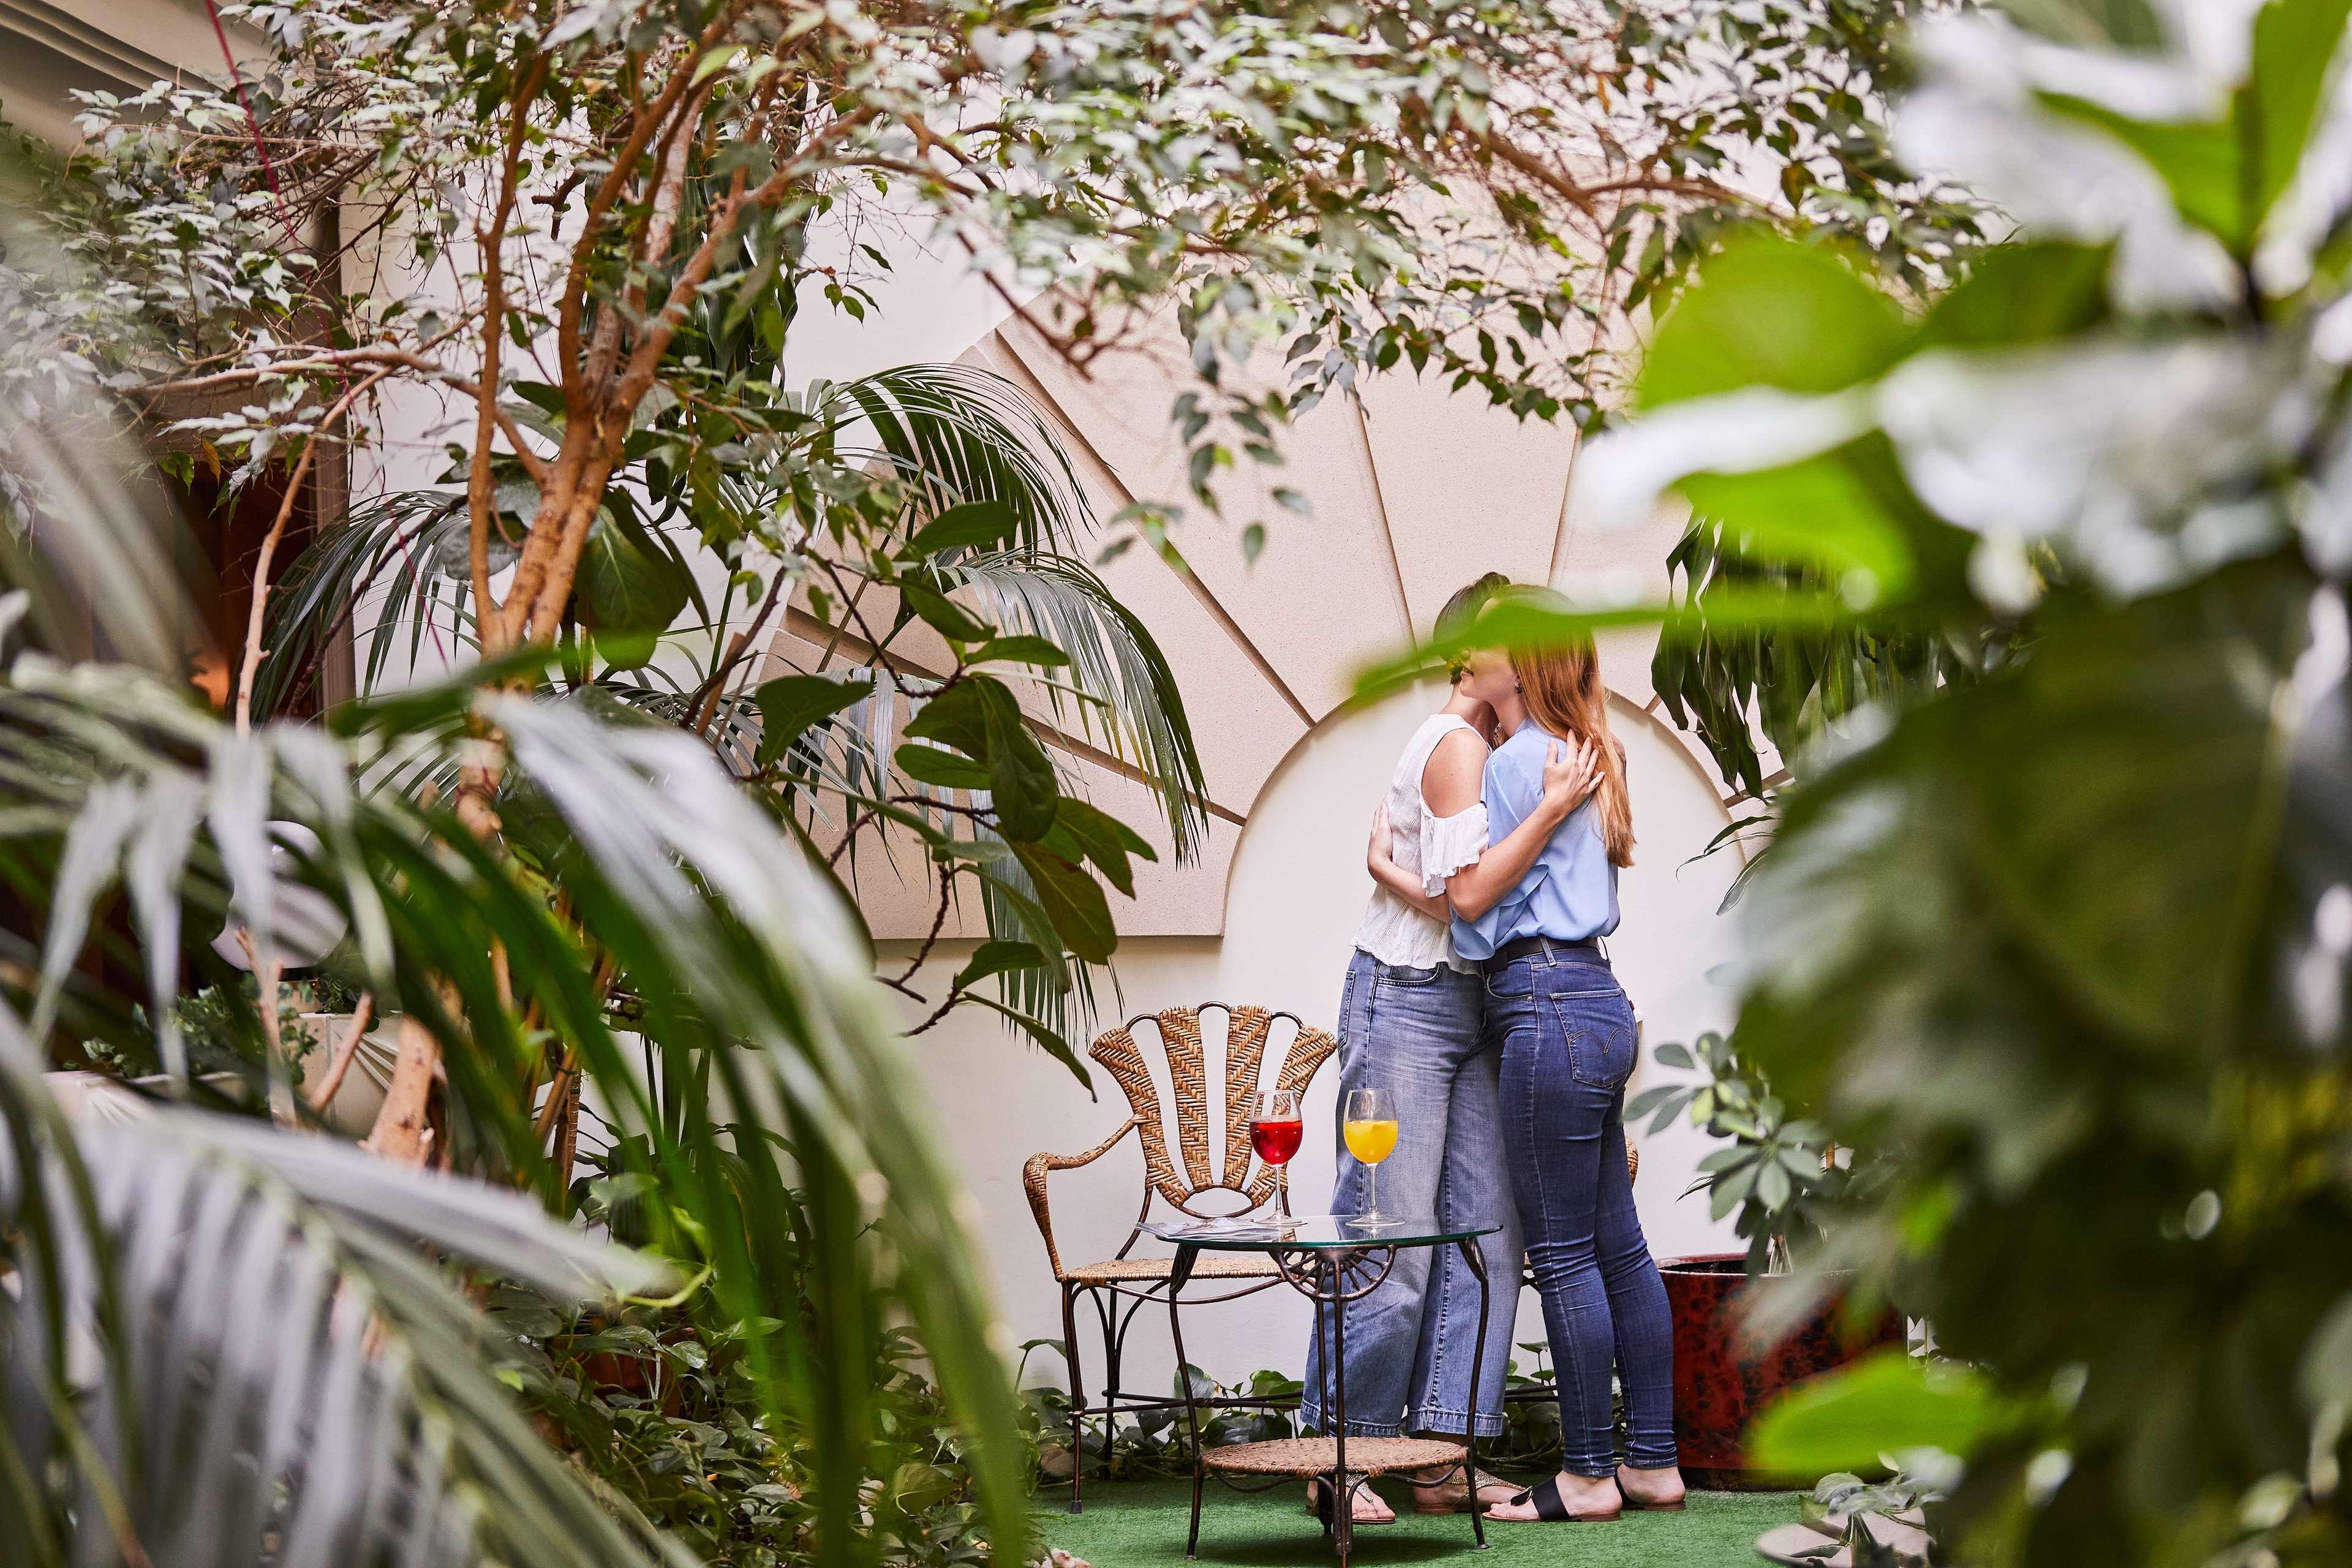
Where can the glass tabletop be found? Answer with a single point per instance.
(1254, 1233)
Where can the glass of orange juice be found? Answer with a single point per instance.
(1369, 1121)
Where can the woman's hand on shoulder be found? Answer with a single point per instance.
(1452, 778)
(1569, 773)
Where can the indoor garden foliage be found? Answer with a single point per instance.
(2044, 587)
(579, 842)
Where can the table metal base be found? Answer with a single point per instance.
(1331, 1278)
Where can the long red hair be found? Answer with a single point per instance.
(1560, 681)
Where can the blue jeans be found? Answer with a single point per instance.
(1567, 1036)
(1412, 1342)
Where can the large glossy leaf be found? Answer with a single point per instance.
(980, 717)
(1072, 900)
(2224, 174)
(2027, 292)
(1846, 514)
(1881, 1404)
(973, 525)
(1022, 786)
(789, 704)
(1103, 840)
(630, 589)
(2144, 773)
(1770, 312)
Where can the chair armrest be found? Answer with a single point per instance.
(1033, 1182)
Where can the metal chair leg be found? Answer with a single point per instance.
(1185, 1257)
(1078, 1400)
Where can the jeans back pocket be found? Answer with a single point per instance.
(1599, 1028)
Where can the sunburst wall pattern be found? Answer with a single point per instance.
(1414, 491)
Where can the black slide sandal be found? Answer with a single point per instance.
(1627, 1499)
(1550, 1510)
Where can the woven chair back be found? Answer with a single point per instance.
(1196, 1141)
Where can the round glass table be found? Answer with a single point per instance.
(1332, 1259)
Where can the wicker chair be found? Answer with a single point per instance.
(1169, 1135)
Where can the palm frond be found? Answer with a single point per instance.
(716, 920)
(405, 553)
(226, 1347)
(1138, 714)
(958, 434)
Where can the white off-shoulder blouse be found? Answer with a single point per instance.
(1432, 847)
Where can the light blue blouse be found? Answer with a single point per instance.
(1570, 892)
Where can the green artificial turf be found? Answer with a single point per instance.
(1140, 1524)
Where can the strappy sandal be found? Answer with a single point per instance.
(1319, 1490)
(1550, 1510)
(1429, 1498)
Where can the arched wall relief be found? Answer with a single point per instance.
(1414, 490)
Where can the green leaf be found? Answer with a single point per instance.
(1882, 1403)
(2031, 292)
(714, 62)
(2225, 175)
(2134, 745)
(980, 717)
(1104, 841)
(2197, 161)
(915, 1486)
(997, 956)
(955, 717)
(975, 525)
(1072, 900)
(944, 615)
(1837, 512)
(2295, 42)
(791, 704)
(1023, 789)
(1770, 312)
(629, 593)
(2123, 24)
(930, 765)
(1019, 650)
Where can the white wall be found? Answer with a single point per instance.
(1296, 891)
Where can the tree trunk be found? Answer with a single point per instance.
(402, 1130)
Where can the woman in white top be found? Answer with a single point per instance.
(1410, 1022)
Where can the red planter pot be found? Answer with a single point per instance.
(1720, 1384)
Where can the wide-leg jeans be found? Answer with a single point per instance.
(1411, 1343)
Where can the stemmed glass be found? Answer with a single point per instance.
(1276, 1131)
(1370, 1125)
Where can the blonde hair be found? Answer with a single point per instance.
(1560, 681)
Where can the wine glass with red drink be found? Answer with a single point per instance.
(1276, 1131)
